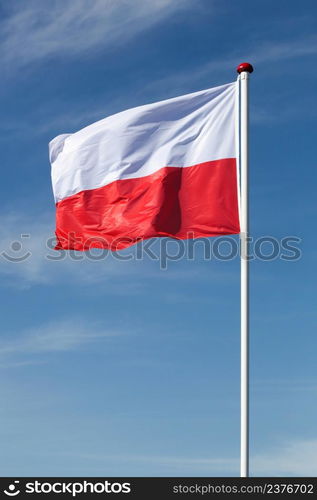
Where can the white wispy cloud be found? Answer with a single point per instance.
(171, 465)
(36, 30)
(46, 118)
(293, 458)
(277, 54)
(276, 51)
(65, 335)
(287, 385)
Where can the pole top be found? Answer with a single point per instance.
(245, 67)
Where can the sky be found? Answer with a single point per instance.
(123, 364)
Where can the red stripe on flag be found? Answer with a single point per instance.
(178, 202)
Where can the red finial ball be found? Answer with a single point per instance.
(245, 67)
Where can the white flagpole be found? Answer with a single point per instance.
(244, 69)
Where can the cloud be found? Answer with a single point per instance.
(277, 54)
(287, 385)
(295, 458)
(170, 465)
(56, 116)
(66, 335)
(37, 31)
(256, 53)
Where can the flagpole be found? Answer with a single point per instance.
(244, 70)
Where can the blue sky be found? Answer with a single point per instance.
(117, 367)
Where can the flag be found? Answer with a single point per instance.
(163, 169)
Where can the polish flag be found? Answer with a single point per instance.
(163, 169)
